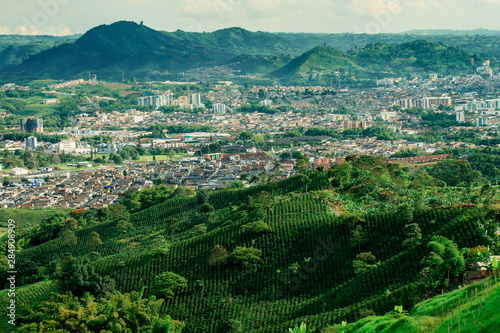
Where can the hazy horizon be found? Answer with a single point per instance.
(68, 17)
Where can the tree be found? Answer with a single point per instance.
(200, 229)
(445, 260)
(6, 182)
(257, 227)
(495, 172)
(115, 312)
(246, 255)
(218, 256)
(78, 276)
(56, 159)
(299, 329)
(246, 135)
(455, 172)
(364, 262)
(71, 224)
(160, 245)
(413, 235)
(202, 196)
(68, 237)
(261, 94)
(95, 240)
(166, 283)
(358, 237)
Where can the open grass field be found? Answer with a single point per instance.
(26, 218)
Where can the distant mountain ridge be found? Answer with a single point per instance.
(109, 50)
(443, 32)
(15, 48)
(137, 50)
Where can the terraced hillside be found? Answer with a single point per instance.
(267, 257)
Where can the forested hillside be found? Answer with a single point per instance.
(319, 248)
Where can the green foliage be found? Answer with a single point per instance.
(398, 310)
(413, 235)
(165, 284)
(299, 329)
(258, 227)
(364, 262)
(158, 129)
(442, 119)
(200, 229)
(138, 200)
(456, 172)
(218, 256)
(445, 261)
(245, 256)
(230, 326)
(246, 135)
(305, 272)
(78, 276)
(206, 207)
(115, 312)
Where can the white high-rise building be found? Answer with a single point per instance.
(156, 100)
(219, 108)
(195, 101)
(31, 142)
(460, 116)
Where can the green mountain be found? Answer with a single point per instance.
(15, 48)
(320, 60)
(109, 50)
(418, 55)
(380, 59)
(127, 47)
(475, 41)
(239, 41)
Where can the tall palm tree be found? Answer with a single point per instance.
(446, 258)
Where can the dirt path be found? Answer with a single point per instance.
(334, 209)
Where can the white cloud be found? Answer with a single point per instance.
(4, 30)
(34, 30)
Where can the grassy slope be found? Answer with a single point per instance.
(442, 313)
(29, 217)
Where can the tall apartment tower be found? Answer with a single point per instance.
(30, 125)
(195, 100)
(219, 108)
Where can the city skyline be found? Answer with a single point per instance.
(66, 17)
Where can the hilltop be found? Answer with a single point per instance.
(381, 59)
(109, 50)
(321, 59)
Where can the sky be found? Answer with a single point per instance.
(65, 17)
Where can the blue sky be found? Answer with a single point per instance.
(62, 17)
